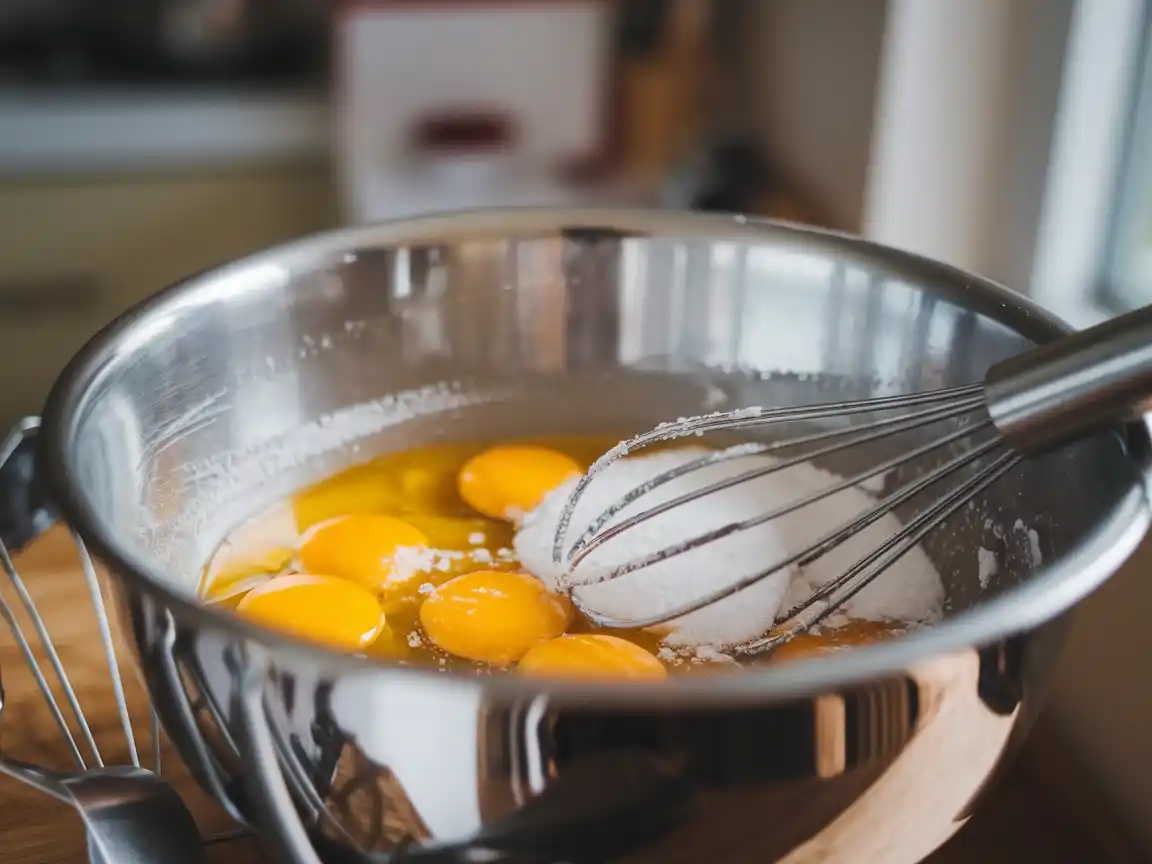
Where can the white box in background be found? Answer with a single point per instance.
(512, 93)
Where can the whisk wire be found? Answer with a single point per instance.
(962, 399)
(818, 548)
(154, 732)
(41, 682)
(791, 507)
(864, 571)
(109, 643)
(591, 540)
(23, 432)
(54, 661)
(746, 418)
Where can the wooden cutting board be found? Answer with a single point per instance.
(1023, 819)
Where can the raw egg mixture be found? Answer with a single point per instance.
(420, 557)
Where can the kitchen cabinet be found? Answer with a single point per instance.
(74, 253)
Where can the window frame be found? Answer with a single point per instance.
(1132, 191)
(1077, 237)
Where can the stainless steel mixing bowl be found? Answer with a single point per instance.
(224, 393)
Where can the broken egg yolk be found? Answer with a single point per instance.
(492, 616)
(370, 549)
(508, 481)
(333, 612)
(591, 656)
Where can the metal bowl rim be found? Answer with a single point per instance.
(1043, 597)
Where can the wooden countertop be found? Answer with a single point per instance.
(1023, 818)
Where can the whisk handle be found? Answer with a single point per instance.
(1066, 389)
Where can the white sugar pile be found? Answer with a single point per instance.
(909, 591)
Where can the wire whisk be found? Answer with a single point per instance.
(129, 812)
(1027, 404)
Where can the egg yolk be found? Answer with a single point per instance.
(493, 616)
(334, 612)
(507, 482)
(236, 577)
(371, 549)
(853, 634)
(591, 655)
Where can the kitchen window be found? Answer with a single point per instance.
(1093, 249)
(1034, 167)
(1126, 281)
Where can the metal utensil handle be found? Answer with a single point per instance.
(1084, 382)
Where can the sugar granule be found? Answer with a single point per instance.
(710, 654)
(1033, 542)
(986, 566)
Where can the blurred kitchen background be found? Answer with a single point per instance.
(142, 140)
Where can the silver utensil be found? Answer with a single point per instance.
(1028, 404)
(130, 814)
